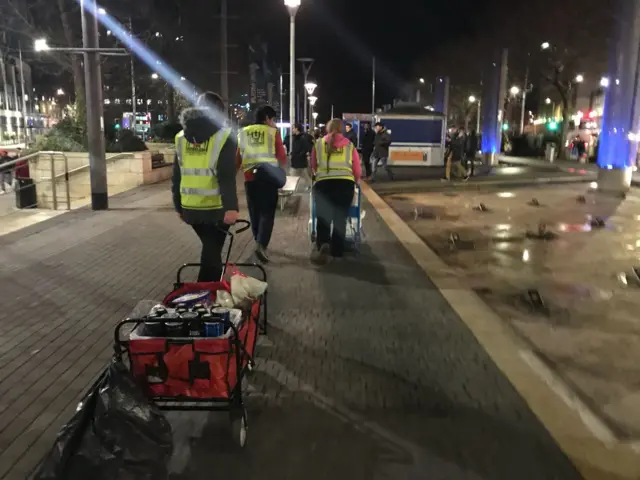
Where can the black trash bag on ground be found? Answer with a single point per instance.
(116, 433)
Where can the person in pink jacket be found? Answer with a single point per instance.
(336, 166)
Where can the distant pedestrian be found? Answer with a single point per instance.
(350, 134)
(302, 146)
(471, 152)
(6, 172)
(454, 158)
(336, 164)
(367, 148)
(204, 180)
(262, 157)
(381, 144)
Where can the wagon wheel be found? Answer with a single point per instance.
(239, 427)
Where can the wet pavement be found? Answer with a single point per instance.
(562, 293)
(367, 372)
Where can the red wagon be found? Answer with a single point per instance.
(198, 373)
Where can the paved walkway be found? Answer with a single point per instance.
(367, 372)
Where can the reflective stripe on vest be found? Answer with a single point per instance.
(338, 166)
(199, 186)
(257, 144)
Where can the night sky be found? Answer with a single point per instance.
(344, 35)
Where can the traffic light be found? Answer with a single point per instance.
(505, 126)
(117, 126)
(553, 126)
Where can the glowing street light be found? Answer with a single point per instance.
(60, 92)
(547, 101)
(604, 82)
(579, 78)
(310, 87)
(155, 76)
(102, 11)
(312, 100)
(314, 115)
(41, 45)
(472, 99)
(292, 6)
(421, 80)
(545, 45)
(514, 90)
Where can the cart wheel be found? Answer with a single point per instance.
(239, 427)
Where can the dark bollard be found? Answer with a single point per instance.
(534, 202)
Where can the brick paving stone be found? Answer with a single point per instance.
(366, 374)
(68, 281)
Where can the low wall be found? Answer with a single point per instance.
(128, 171)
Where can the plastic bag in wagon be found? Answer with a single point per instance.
(116, 433)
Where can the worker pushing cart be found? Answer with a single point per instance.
(336, 166)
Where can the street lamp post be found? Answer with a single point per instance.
(306, 64)
(309, 88)
(292, 6)
(473, 99)
(95, 120)
(315, 117)
(93, 91)
(312, 101)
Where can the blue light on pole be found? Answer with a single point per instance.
(617, 148)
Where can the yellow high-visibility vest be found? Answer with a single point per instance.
(257, 144)
(199, 187)
(338, 166)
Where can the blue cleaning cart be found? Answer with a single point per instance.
(354, 220)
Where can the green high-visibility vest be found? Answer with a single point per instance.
(338, 166)
(199, 187)
(257, 144)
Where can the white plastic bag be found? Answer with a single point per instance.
(243, 288)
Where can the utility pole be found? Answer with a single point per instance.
(373, 89)
(133, 85)
(224, 61)
(524, 99)
(3, 73)
(24, 96)
(95, 120)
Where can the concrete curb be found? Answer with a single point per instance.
(593, 449)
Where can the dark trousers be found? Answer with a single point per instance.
(333, 199)
(366, 159)
(212, 237)
(470, 162)
(262, 201)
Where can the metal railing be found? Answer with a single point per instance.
(31, 158)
